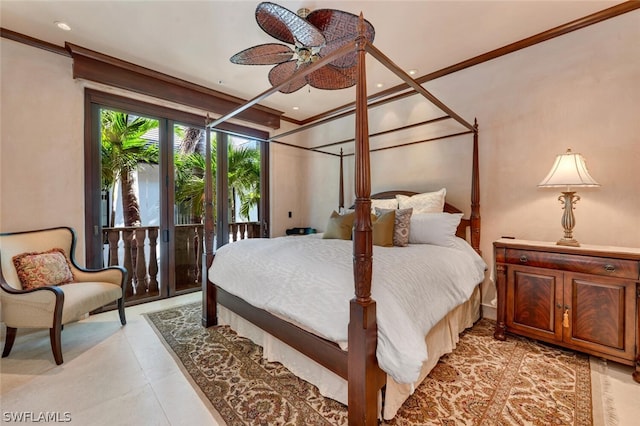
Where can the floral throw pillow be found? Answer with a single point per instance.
(46, 268)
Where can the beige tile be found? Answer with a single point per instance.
(181, 403)
(109, 370)
(137, 407)
(624, 392)
(115, 375)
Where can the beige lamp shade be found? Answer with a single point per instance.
(568, 170)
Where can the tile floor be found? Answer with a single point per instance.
(111, 375)
(115, 375)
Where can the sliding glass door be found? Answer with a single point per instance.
(146, 193)
(130, 198)
(189, 166)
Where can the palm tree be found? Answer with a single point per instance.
(244, 179)
(123, 148)
(243, 175)
(192, 139)
(189, 170)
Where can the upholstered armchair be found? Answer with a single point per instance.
(42, 286)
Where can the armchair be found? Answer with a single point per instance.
(39, 302)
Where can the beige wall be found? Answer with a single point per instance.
(41, 151)
(42, 147)
(580, 90)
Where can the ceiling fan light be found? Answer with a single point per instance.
(62, 25)
(303, 12)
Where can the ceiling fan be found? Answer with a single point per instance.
(313, 35)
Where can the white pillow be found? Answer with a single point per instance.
(391, 203)
(434, 228)
(428, 202)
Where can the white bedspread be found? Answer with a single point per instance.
(309, 280)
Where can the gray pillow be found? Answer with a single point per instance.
(401, 225)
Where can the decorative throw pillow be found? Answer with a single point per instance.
(383, 226)
(401, 226)
(390, 203)
(339, 226)
(46, 268)
(434, 228)
(428, 202)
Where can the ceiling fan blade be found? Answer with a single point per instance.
(280, 73)
(286, 26)
(263, 54)
(339, 28)
(332, 78)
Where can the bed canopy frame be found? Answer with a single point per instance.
(358, 365)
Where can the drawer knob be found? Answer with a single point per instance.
(609, 267)
(524, 259)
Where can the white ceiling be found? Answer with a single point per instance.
(193, 40)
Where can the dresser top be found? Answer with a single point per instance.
(585, 249)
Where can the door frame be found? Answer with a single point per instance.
(94, 100)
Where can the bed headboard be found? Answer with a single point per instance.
(448, 208)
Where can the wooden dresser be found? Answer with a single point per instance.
(583, 298)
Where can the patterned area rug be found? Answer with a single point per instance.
(483, 382)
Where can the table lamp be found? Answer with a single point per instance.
(569, 170)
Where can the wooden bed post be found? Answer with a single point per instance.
(341, 189)
(475, 194)
(209, 299)
(362, 364)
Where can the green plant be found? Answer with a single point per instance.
(123, 148)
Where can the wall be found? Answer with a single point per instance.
(41, 154)
(42, 147)
(580, 90)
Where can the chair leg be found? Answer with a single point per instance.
(55, 334)
(8, 342)
(123, 319)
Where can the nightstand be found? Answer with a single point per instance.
(583, 298)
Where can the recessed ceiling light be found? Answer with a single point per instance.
(295, 108)
(62, 25)
(378, 85)
(413, 72)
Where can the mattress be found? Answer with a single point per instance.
(309, 282)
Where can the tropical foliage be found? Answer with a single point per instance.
(189, 175)
(123, 148)
(244, 179)
(243, 175)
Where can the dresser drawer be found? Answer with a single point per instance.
(619, 268)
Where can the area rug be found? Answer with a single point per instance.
(483, 382)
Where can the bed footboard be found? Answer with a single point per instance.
(324, 352)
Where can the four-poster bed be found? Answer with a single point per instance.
(358, 365)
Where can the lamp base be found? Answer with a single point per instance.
(568, 199)
(568, 242)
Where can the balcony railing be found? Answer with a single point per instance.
(138, 250)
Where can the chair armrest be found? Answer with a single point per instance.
(112, 274)
(7, 288)
(18, 303)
